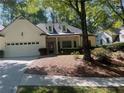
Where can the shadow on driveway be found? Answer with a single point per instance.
(11, 73)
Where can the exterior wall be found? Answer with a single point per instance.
(121, 36)
(92, 40)
(102, 36)
(22, 31)
(2, 43)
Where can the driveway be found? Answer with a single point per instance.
(11, 73)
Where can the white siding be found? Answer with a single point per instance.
(103, 36)
(121, 37)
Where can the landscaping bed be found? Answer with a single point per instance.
(67, 65)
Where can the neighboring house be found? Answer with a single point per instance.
(62, 36)
(103, 38)
(120, 33)
(1, 27)
(22, 38)
(1, 38)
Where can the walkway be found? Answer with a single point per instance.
(70, 81)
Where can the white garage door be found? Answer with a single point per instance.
(23, 49)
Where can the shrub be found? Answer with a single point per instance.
(1, 53)
(115, 47)
(100, 52)
(118, 55)
(69, 51)
(76, 54)
(43, 51)
(102, 55)
(104, 59)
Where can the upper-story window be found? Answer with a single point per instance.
(107, 39)
(64, 28)
(50, 29)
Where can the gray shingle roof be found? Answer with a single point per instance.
(120, 30)
(1, 27)
(57, 29)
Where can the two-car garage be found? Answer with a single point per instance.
(22, 49)
(22, 39)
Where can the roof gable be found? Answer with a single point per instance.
(20, 23)
(58, 27)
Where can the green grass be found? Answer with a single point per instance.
(67, 89)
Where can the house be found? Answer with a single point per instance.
(61, 36)
(1, 27)
(103, 38)
(1, 38)
(22, 38)
(120, 32)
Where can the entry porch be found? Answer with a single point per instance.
(55, 44)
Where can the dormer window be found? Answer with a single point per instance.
(50, 29)
(64, 28)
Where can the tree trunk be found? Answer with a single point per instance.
(86, 46)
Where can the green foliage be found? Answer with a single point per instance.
(69, 89)
(115, 47)
(70, 51)
(30, 9)
(1, 53)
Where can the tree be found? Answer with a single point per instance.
(77, 7)
(87, 54)
(30, 9)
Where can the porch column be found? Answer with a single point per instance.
(56, 45)
(79, 42)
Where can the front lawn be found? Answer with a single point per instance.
(68, 89)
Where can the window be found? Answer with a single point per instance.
(64, 28)
(17, 43)
(25, 43)
(107, 39)
(50, 29)
(29, 43)
(8, 44)
(12, 44)
(33, 43)
(75, 44)
(101, 42)
(89, 42)
(66, 44)
(21, 43)
(37, 42)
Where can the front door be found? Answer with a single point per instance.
(51, 47)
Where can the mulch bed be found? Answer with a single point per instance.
(68, 66)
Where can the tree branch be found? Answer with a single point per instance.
(114, 10)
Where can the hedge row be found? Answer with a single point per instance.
(115, 47)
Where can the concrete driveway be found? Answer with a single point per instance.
(11, 73)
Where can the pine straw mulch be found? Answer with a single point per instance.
(67, 66)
